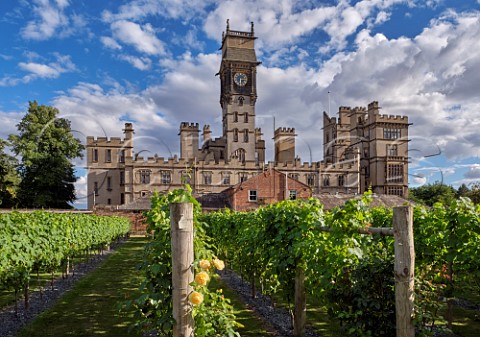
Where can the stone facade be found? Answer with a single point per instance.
(362, 148)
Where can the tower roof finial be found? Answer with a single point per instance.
(252, 27)
(228, 25)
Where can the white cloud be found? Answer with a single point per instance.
(401, 75)
(174, 9)
(50, 20)
(110, 42)
(277, 23)
(142, 38)
(35, 70)
(95, 111)
(9, 121)
(283, 23)
(473, 172)
(141, 63)
(40, 70)
(62, 65)
(81, 189)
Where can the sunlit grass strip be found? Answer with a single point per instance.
(90, 308)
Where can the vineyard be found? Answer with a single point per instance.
(41, 242)
(348, 272)
(345, 261)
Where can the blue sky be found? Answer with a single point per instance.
(102, 63)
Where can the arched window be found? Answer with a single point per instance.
(235, 117)
(245, 136)
(245, 117)
(239, 154)
(240, 100)
(235, 135)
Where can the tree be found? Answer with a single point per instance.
(432, 193)
(46, 145)
(474, 193)
(8, 177)
(462, 191)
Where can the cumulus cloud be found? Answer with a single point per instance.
(141, 63)
(141, 37)
(109, 42)
(174, 9)
(473, 172)
(50, 20)
(35, 70)
(81, 191)
(9, 121)
(401, 75)
(284, 23)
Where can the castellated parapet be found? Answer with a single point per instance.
(112, 141)
(186, 126)
(285, 131)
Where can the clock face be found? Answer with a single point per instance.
(240, 79)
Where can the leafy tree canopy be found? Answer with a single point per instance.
(46, 145)
(8, 177)
(432, 193)
(474, 193)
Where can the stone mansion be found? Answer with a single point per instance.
(362, 148)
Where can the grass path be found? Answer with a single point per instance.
(88, 309)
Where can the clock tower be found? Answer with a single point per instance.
(238, 94)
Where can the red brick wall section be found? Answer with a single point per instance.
(270, 188)
(137, 220)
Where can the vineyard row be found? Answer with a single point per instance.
(42, 241)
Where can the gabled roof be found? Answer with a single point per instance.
(213, 201)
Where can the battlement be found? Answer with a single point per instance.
(206, 127)
(295, 165)
(105, 141)
(186, 126)
(344, 109)
(283, 130)
(393, 118)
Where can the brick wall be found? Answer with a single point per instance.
(270, 187)
(137, 220)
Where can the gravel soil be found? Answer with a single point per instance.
(278, 319)
(11, 323)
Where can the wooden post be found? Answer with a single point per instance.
(181, 220)
(300, 311)
(404, 270)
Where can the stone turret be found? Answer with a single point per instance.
(284, 139)
(207, 133)
(189, 140)
(373, 109)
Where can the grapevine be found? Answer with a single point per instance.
(43, 241)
